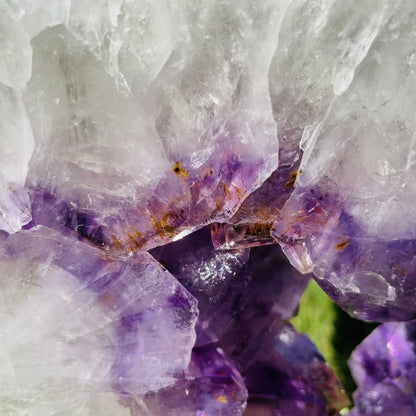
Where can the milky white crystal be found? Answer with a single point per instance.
(76, 328)
(131, 123)
(157, 107)
(351, 212)
(16, 146)
(355, 79)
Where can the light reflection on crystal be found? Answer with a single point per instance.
(129, 126)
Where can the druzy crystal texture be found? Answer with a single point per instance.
(172, 175)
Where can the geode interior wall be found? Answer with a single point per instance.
(126, 125)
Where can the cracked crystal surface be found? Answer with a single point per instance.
(137, 126)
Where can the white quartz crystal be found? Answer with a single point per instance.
(351, 102)
(122, 92)
(131, 123)
(16, 146)
(77, 328)
(119, 91)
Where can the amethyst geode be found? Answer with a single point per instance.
(162, 162)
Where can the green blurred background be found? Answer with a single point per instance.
(333, 331)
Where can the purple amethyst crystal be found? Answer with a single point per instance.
(212, 387)
(252, 224)
(287, 373)
(350, 218)
(136, 125)
(240, 293)
(244, 300)
(369, 277)
(108, 325)
(384, 367)
(118, 149)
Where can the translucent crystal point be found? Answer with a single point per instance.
(349, 218)
(16, 147)
(80, 330)
(153, 149)
(212, 387)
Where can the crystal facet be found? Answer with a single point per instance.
(245, 299)
(108, 327)
(162, 162)
(384, 367)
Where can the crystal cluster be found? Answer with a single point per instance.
(162, 162)
(77, 324)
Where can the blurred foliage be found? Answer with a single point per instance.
(333, 331)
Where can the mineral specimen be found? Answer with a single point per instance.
(79, 329)
(142, 133)
(147, 146)
(347, 219)
(244, 301)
